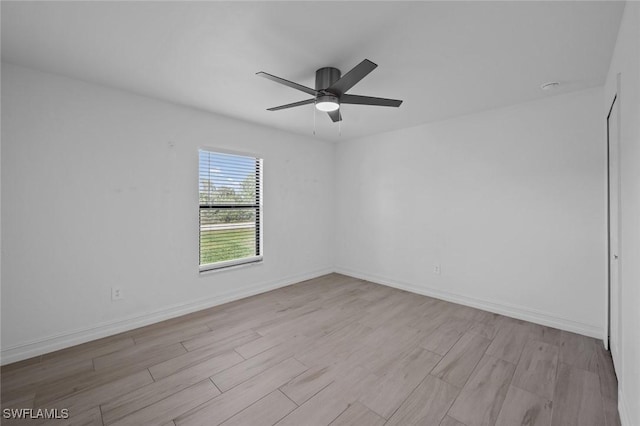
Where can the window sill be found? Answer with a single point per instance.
(206, 270)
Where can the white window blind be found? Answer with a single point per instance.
(230, 188)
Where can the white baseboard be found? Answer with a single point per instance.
(510, 310)
(75, 337)
(623, 409)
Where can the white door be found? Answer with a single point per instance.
(613, 133)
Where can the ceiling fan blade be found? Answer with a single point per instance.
(350, 79)
(368, 100)
(288, 83)
(335, 115)
(295, 104)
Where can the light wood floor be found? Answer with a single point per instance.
(333, 350)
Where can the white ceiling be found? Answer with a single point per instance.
(443, 59)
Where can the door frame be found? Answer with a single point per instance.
(607, 341)
(615, 103)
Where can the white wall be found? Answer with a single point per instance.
(99, 188)
(509, 202)
(626, 62)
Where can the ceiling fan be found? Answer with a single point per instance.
(331, 90)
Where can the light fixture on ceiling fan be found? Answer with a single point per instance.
(327, 103)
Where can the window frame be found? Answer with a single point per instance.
(259, 206)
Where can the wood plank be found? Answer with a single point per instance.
(172, 406)
(413, 310)
(196, 356)
(450, 421)
(237, 399)
(608, 385)
(221, 330)
(375, 292)
(141, 356)
(336, 345)
(312, 381)
(577, 400)
(578, 351)
(457, 365)
(309, 383)
(128, 403)
(536, 371)
(524, 408)
(487, 330)
(315, 322)
(257, 346)
(509, 342)
(94, 397)
(427, 404)
(611, 414)
(358, 415)
(266, 412)
(175, 335)
(397, 340)
(18, 365)
(481, 398)
(245, 370)
(545, 334)
(384, 311)
(222, 338)
(194, 319)
(87, 418)
(607, 374)
(25, 400)
(91, 349)
(445, 336)
(170, 326)
(32, 377)
(337, 367)
(289, 320)
(399, 381)
(474, 315)
(431, 311)
(331, 401)
(78, 383)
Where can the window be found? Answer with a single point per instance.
(230, 188)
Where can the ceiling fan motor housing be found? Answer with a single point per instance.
(325, 77)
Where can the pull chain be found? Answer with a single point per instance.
(340, 123)
(314, 119)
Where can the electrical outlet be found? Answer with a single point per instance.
(436, 269)
(116, 293)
